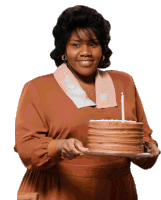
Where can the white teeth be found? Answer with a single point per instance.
(85, 61)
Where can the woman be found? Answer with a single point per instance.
(54, 111)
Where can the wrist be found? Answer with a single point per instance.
(59, 145)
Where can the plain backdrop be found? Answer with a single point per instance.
(25, 44)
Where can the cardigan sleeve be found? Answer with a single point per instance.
(141, 117)
(35, 148)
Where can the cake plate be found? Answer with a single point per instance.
(119, 154)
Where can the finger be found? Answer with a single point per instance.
(73, 150)
(70, 147)
(70, 150)
(149, 151)
(153, 149)
(155, 153)
(67, 155)
(66, 150)
(80, 147)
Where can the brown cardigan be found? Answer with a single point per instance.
(46, 114)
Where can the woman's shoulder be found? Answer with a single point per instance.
(41, 80)
(120, 75)
(42, 83)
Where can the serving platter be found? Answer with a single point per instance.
(118, 154)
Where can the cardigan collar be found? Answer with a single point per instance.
(105, 91)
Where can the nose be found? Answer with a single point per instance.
(85, 50)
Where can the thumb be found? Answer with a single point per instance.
(79, 146)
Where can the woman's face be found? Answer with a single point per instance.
(83, 54)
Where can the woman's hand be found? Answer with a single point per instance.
(70, 148)
(152, 149)
(147, 162)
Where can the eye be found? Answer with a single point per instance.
(93, 44)
(76, 45)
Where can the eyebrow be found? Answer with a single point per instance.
(84, 40)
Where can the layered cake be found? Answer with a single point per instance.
(115, 136)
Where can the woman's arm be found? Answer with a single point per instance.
(147, 162)
(151, 145)
(35, 148)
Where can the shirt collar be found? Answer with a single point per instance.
(105, 91)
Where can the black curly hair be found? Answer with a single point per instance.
(81, 17)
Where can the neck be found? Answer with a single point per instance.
(84, 79)
(87, 79)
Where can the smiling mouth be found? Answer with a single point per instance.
(85, 61)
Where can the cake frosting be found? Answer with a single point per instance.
(115, 136)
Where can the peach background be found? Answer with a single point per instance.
(26, 43)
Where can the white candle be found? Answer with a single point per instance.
(122, 106)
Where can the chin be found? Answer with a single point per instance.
(87, 71)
